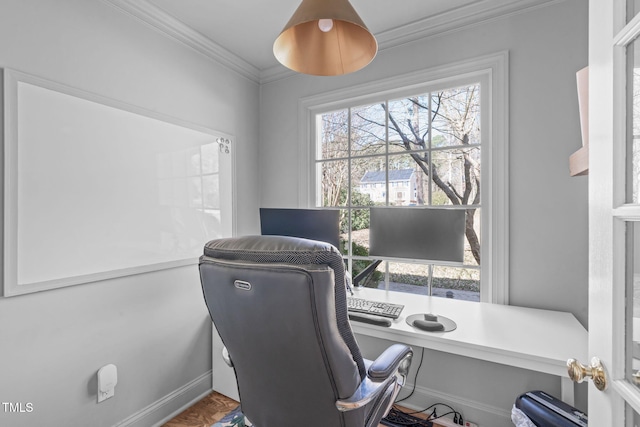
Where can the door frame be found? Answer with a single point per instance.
(608, 212)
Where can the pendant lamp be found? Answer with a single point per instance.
(325, 38)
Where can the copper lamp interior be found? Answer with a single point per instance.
(342, 46)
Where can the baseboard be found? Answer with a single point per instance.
(164, 409)
(480, 413)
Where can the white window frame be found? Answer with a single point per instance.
(492, 73)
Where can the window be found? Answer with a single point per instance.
(439, 134)
(433, 138)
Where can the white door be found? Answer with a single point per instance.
(614, 209)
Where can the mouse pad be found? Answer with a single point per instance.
(449, 325)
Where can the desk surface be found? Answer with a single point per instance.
(540, 340)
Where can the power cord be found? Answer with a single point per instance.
(397, 417)
(415, 379)
(456, 415)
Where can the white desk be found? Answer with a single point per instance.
(539, 340)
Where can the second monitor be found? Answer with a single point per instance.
(433, 234)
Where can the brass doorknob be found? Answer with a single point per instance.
(578, 372)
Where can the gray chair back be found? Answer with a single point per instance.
(279, 305)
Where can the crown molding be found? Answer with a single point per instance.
(452, 20)
(449, 21)
(456, 19)
(277, 72)
(172, 27)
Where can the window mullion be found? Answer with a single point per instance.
(386, 151)
(430, 156)
(349, 202)
(386, 131)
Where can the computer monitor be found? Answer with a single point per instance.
(314, 224)
(433, 234)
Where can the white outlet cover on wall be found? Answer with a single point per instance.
(107, 380)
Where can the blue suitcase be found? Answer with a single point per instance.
(545, 410)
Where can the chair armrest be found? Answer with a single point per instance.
(366, 392)
(389, 361)
(389, 368)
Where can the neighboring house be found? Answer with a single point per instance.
(402, 186)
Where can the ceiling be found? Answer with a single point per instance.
(249, 27)
(243, 31)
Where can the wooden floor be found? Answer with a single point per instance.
(204, 413)
(210, 410)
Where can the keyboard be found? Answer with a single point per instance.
(384, 309)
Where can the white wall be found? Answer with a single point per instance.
(548, 219)
(154, 326)
(548, 216)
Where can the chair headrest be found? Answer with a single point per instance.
(269, 246)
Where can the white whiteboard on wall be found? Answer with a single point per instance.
(96, 189)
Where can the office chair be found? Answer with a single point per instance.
(279, 305)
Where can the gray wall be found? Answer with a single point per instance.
(548, 217)
(154, 326)
(548, 208)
